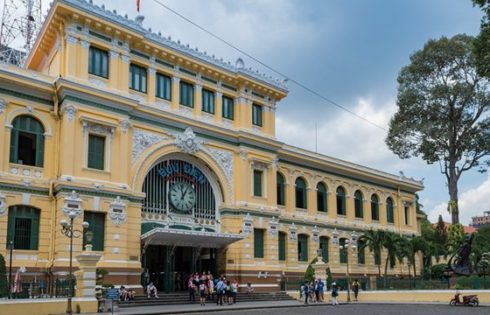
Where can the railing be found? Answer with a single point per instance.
(41, 289)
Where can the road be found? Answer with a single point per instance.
(364, 309)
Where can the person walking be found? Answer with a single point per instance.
(335, 293)
(355, 289)
(306, 291)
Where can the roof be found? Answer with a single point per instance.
(466, 229)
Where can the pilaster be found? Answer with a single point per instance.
(218, 111)
(174, 104)
(151, 81)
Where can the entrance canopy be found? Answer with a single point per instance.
(176, 237)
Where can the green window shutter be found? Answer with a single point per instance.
(11, 225)
(228, 110)
(321, 197)
(98, 62)
(34, 232)
(186, 94)
(96, 152)
(389, 211)
(39, 150)
(301, 197)
(282, 246)
(341, 201)
(343, 251)
(257, 115)
(207, 101)
(163, 87)
(23, 227)
(280, 190)
(257, 183)
(374, 208)
(14, 148)
(302, 247)
(96, 222)
(358, 203)
(258, 243)
(324, 247)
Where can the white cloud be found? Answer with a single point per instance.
(471, 203)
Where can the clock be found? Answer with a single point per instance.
(182, 196)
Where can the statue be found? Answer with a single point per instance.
(459, 263)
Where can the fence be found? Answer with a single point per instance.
(39, 289)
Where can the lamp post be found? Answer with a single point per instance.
(345, 246)
(11, 249)
(448, 274)
(68, 230)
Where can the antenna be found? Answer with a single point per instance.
(21, 21)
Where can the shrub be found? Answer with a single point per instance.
(3, 278)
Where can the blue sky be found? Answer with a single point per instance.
(348, 50)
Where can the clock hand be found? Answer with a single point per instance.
(184, 193)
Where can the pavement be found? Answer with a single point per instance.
(296, 307)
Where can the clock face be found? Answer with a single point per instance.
(182, 196)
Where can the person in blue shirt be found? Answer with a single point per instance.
(220, 291)
(321, 288)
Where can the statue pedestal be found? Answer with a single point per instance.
(86, 276)
(320, 268)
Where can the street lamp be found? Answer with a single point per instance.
(11, 249)
(345, 246)
(68, 230)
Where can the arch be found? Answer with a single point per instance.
(27, 141)
(321, 197)
(374, 207)
(208, 164)
(323, 246)
(300, 193)
(341, 204)
(359, 204)
(281, 189)
(23, 227)
(390, 213)
(29, 111)
(303, 247)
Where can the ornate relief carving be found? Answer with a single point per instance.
(117, 213)
(3, 105)
(188, 142)
(70, 111)
(3, 205)
(125, 125)
(73, 203)
(142, 140)
(225, 160)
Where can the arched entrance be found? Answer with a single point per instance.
(180, 221)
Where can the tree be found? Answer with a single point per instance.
(374, 241)
(391, 242)
(441, 230)
(455, 238)
(481, 46)
(443, 112)
(3, 278)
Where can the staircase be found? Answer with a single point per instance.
(183, 298)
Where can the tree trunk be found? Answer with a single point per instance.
(453, 193)
(386, 269)
(414, 266)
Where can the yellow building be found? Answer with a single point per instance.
(171, 155)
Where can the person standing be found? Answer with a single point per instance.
(335, 293)
(191, 287)
(220, 290)
(355, 289)
(306, 291)
(321, 288)
(234, 290)
(202, 293)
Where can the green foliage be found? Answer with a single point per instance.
(374, 241)
(437, 271)
(443, 108)
(455, 238)
(3, 278)
(481, 46)
(310, 272)
(78, 309)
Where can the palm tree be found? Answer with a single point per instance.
(374, 240)
(391, 242)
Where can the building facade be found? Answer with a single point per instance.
(170, 154)
(478, 221)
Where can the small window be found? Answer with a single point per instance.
(390, 214)
(27, 141)
(374, 208)
(281, 190)
(282, 246)
(207, 101)
(341, 201)
(137, 78)
(186, 94)
(301, 198)
(257, 115)
(343, 251)
(228, 108)
(258, 243)
(324, 247)
(358, 204)
(96, 152)
(96, 222)
(258, 183)
(164, 87)
(321, 197)
(98, 62)
(302, 247)
(23, 227)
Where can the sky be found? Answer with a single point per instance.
(350, 51)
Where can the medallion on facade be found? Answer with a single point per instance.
(142, 140)
(3, 205)
(117, 212)
(73, 203)
(247, 225)
(188, 142)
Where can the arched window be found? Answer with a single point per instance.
(358, 204)
(343, 251)
(27, 141)
(374, 208)
(281, 190)
(302, 247)
(321, 197)
(23, 227)
(301, 199)
(341, 201)
(390, 214)
(324, 247)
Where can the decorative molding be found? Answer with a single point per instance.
(125, 125)
(97, 82)
(185, 111)
(225, 160)
(73, 203)
(125, 58)
(3, 105)
(70, 111)
(142, 140)
(188, 142)
(117, 212)
(71, 39)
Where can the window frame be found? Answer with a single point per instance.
(358, 205)
(97, 229)
(92, 155)
(231, 104)
(208, 100)
(343, 252)
(23, 212)
(280, 190)
(186, 99)
(257, 115)
(282, 246)
(162, 83)
(29, 125)
(390, 211)
(137, 78)
(301, 191)
(341, 201)
(259, 236)
(302, 248)
(323, 196)
(258, 183)
(374, 207)
(92, 67)
(324, 240)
